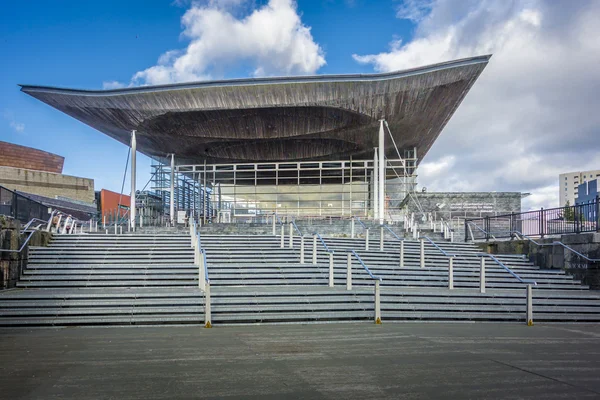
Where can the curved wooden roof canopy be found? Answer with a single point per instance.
(303, 118)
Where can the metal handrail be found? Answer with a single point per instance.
(360, 222)
(22, 246)
(482, 230)
(576, 252)
(437, 247)
(392, 232)
(26, 227)
(327, 249)
(525, 281)
(203, 252)
(365, 267)
(278, 218)
(296, 226)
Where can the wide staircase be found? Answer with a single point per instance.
(105, 279)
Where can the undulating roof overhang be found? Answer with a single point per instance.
(320, 117)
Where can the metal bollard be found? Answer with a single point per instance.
(282, 236)
(207, 311)
(451, 273)
(291, 236)
(314, 256)
(301, 249)
(367, 239)
(352, 229)
(381, 239)
(422, 253)
(482, 276)
(330, 269)
(529, 316)
(377, 304)
(401, 253)
(349, 273)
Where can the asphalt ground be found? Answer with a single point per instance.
(320, 361)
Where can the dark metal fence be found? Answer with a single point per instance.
(553, 221)
(20, 207)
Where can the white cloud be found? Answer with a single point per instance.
(414, 10)
(268, 40)
(533, 113)
(12, 122)
(112, 85)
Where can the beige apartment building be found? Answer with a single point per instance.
(568, 183)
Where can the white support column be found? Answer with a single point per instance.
(282, 236)
(451, 273)
(132, 210)
(377, 303)
(482, 276)
(401, 253)
(381, 175)
(375, 186)
(331, 270)
(314, 255)
(301, 249)
(349, 273)
(422, 253)
(291, 236)
(381, 239)
(352, 223)
(172, 204)
(529, 316)
(274, 219)
(207, 310)
(367, 239)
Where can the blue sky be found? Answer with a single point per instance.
(83, 44)
(532, 114)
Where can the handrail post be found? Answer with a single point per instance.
(482, 276)
(291, 236)
(451, 273)
(120, 229)
(381, 239)
(367, 239)
(274, 228)
(331, 270)
(377, 303)
(302, 249)
(349, 273)
(401, 253)
(201, 266)
(90, 225)
(529, 317)
(282, 236)
(352, 229)
(207, 310)
(422, 253)
(314, 253)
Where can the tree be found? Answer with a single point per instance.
(568, 212)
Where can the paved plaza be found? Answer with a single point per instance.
(346, 361)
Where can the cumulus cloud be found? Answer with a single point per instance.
(112, 85)
(532, 114)
(269, 40)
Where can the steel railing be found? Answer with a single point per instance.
(203, 277)
(376, 279)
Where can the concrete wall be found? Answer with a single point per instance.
(13, 155)
(557, 257)
(47, 184)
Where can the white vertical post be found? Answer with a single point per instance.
(129, 225)
(201, 273)
(401, 253)
(330, 269)
(172, 191)
(314, 255)
(482, 276)
(132, 210)
(367, 239)
(349, 273)
(104, 222)
(422, 253)
(282, 236)
(352, 226)
(451, 237)
(381, 239)
(91, 222)
(274, 231)
(381, 174)
(207, 310)
(302, 249)
(375, 186)
(120, 229)
(141, 221)
(529, 305)
(291, 236)
(377, 303)
(115, 226)
(451, 273)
